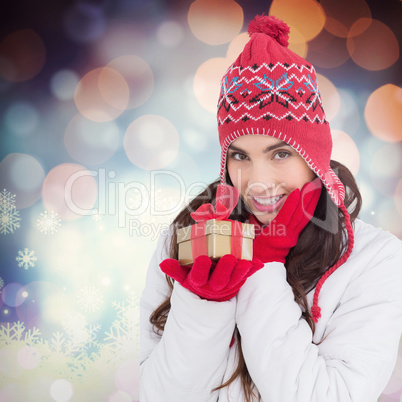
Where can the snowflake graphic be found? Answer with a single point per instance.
(16, 332)
(48, 222)
(75, 327)
(1, 283)
(124, 332)
(315, 98)
(227, 99)
(26, 258)
(273, 91)
(74, 352)
(96, 217)
(7, 200)
(92, 340)
(90, 299)
(9, 215)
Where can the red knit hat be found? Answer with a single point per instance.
(270, 90)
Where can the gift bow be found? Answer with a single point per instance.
(226, 200)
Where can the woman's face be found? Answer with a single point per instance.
(266, 170)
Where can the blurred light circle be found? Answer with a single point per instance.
(22, 175)
(170, 34)
(307, 16)
(348, 116)
(70, 190)
(11, 391)
(102, 94)
(398, 197)
(387, 160)
(70, 255)
(119, 396)
(327, 50)
(28, 357)
(342, 14)
(206, 84)
(345, 151)
(376, 40)
(383, 113)
(236, 46)
(151, 142)
(37, 385)
(330, 96)
(386, 168)
(297, 42)
(138, 76)
(90, 142)
(389, 219)
(34, 311)
(61, 390)
(11, 294)
(11, 370)
(63, 84)
(22, 118)
(117, 248)
(198, 142)
(201, 118)
(127, 378)
(84, 22)
(367, 193)
(25, 171)
(106, 281)
(186, 168)
(22, 55)
(118, 40)
(215, 22)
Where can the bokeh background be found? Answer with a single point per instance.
(107, 119)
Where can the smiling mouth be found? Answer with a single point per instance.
(268, 201)
(268, 204)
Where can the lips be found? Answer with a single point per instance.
(268, 204)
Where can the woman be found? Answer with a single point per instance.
(317, 314)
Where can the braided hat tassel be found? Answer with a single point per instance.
(315, 309)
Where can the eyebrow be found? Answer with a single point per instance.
(266, 150)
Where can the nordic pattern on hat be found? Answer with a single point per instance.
(270, 91)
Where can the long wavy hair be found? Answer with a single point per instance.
(317, 249)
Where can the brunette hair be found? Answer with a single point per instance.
(317, 249)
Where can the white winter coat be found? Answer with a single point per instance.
(361, 307)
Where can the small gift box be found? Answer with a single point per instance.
(215, 239)
(214, 234)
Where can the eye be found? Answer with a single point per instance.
(282, 155)
(237, 156)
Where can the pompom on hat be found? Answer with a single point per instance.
(270, 90)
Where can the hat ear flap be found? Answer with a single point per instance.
(334, 186)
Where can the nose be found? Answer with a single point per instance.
(262, 180)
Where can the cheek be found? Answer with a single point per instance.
(302, 175)
(235, 173)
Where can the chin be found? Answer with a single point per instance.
(265, 219)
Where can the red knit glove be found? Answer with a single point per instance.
(276, 239)
(212, 281)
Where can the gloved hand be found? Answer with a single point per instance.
(212, 281)
(275, 240)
